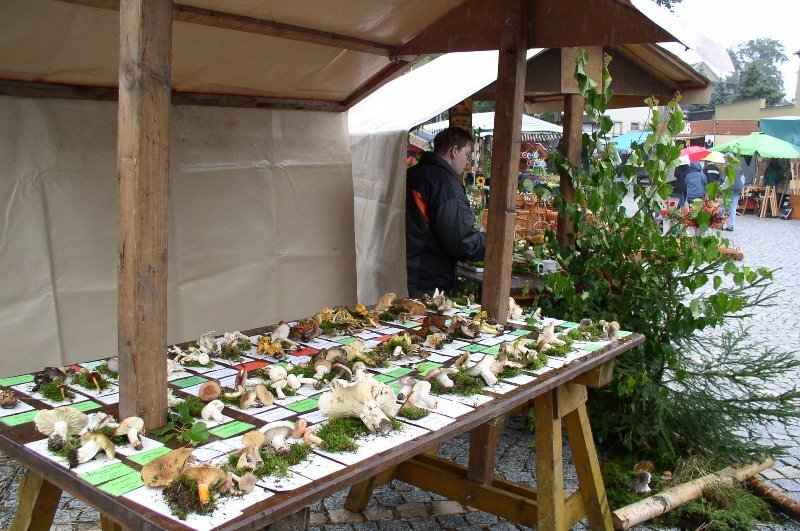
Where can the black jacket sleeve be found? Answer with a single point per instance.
(454, 226)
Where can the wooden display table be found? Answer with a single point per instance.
(558, 392)
(523, 286)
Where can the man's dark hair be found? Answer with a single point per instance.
(447, 138)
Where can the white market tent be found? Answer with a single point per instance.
(485, 122)
(168, 168)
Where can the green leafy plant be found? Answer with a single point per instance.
(273, 463)
(182, 426)
(669, 283)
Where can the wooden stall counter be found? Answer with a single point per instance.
(114, 485)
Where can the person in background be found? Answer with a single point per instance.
(695, 182)
(736, 188)
(680, 183)
(440, 227)
(773, 175)
(712, 172)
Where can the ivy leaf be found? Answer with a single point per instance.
(195, 435)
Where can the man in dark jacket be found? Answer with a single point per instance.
(712, 172)
(440, 228)
(680, 183)
(695, 182)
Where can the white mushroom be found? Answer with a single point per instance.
(442, 375)
(276, 434)
(264, 396)
(293, 381)
(364, 397)
(321, 368)
(420, 396)
(132, 427)
(59, 423)
(435, 340)
(173, 366)
(95, 421)
(212, 411)
(547, 337)
(406, 385)
(514, 310)
(251, 455)
(281, 333)
(91, 444)
(610, 330)
(172, 400)
(208, 341)
(484, 369)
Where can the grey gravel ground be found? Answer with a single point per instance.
(772, 243)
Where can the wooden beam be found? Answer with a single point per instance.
(549, 463)
(483, 443)
(269, 28)
(143, 167)
(587, 467)
(360, 493)
(505, 161)
(38, 501)
(29, 89)
(388, 73)
(571, 146)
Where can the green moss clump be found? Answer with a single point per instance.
(340, 434)
(413, 413)
(82, 378)
(118, 440)
(585, 333)
(538, 362)
(103, 369)
(305, 371)
(63, 448)
(182, 498)
(230, 353)
(195, 363)
(51, 391)
(509, 372)
(228, 401)
(463, 384)
(274, 464)
(195, 405)
(558, 351)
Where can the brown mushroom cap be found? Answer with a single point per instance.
(299, 428)
(279, 427)
(253, 438)
(209, 391)
(247, 482)
(161, 470)
(128, 424)
(205, 474)
(247, 399)
(264, 395)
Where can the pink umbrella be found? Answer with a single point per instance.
(693, 154)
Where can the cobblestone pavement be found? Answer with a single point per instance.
(397, 506)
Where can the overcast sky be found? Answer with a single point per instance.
(732, 22)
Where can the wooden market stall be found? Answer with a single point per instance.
(286, 58)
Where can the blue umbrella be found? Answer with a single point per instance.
(624, 142)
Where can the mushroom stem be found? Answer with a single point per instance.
(133, 437)
(60, 427)
(202, 493)
(63, 395)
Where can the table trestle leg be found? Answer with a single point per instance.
(38, 501)
(483, 449)
(359, 495)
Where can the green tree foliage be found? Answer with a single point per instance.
(756, 73)
(668, 283)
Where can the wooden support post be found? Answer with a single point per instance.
(505, 160)
(107, 524)
(483, 442)
(587, 466)
(38, 501)
(571, 146)
(549, 464)
(360, 493)
(143, 167)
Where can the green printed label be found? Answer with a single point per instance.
(92, 364)
(86, 405)
(494, 351)
(520, 332)
(407, 324)
(384, 378)
(398, 373)
(16, 380)
(567, 325)
(474, 348)
(190, 381)
(145, 457)
(230, 429)
(426, 367)
(19, 418)
(304, 405)
(346, 340)
(107, 473)
(123, 485)
(591, 347)
(624, 334)
(395, 385)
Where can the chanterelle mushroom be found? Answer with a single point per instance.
(276, 434)
(364, 397)
(91, 444)
(161, 470)
(59, 423)
(207, 477)
(132, 427)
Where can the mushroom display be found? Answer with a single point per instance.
(209, 391)
(132, 427)
(251, 454)
(306, 331)
(322, 367)
(442, 376)
(244, 484)
(385, 302)
(421, 398)
(299, 429)
(281, 334)
(547, 338)
(95, 378)
(247, 398)
(209, 343)
(8, 399)
(163, 469)
(277, 376)
(310, 437)
(435, 340)
(514, 310)
(263, 395)
(364, 398)
(610, 330)
(213, 411)
(207, 477)
(58, 424)
(441, 301)
(113, 364)
(276, 433)
(91, 444)
(406, 383)
(484, 369)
